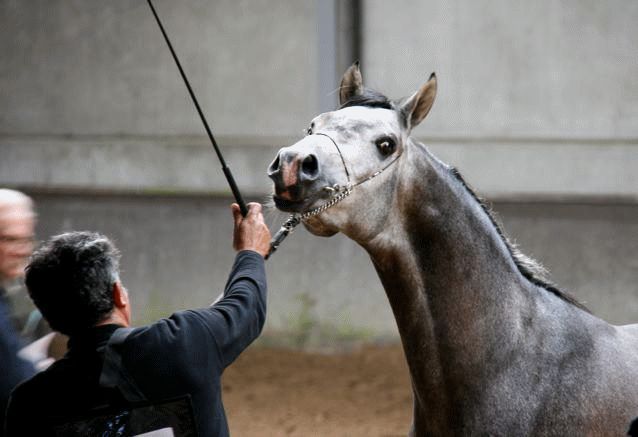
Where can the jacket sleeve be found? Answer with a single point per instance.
(239, 315)
(205, 338)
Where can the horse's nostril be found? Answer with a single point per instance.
(274, 166)
(310, 166)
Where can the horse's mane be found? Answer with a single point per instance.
(529, 268)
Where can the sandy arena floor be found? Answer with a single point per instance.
(275, 392)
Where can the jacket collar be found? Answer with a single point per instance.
(91, 339)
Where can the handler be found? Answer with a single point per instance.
(74, 280)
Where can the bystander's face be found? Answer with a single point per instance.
(17, 230)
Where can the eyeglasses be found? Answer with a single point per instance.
(17, 241)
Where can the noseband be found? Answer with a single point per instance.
(338, 193)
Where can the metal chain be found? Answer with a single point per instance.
(295, 219)
(343, 193)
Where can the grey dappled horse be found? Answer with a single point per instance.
(492, 347)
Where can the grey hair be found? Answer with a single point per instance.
(15, 203)
(70, 279)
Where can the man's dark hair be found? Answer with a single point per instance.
(70, 279)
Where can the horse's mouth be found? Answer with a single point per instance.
(295, 206)
(288, 205)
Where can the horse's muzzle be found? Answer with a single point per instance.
(292, 173)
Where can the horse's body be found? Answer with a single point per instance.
(492, 348)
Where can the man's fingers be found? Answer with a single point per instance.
(254, 208)
(251, 232)
(236, 211)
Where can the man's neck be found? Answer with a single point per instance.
(116, 318)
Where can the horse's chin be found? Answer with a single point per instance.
(315, 226)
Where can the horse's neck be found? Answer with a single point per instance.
(449, 276)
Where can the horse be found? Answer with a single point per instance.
(492, 346)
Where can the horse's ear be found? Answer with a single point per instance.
(351, 83)
(418, 105)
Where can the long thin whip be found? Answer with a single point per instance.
(225, 168)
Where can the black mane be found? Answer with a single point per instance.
(370, 99)
(528, 267)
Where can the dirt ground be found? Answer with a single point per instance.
(278, 392)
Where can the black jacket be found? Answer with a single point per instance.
(183, 354)
(14, 369)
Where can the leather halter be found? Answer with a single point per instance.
(351, 185)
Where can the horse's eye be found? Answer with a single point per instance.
(386, 145)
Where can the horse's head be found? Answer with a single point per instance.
(341, 169)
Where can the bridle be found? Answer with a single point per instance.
(338, 193)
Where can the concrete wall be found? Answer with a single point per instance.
(546, 89)
(542, 69)
(90, 90)
(102, 68)
(537, 106)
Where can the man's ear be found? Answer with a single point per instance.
(120, 295)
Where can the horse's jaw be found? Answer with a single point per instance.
(331, 221)
(360, 225)
(317, 227)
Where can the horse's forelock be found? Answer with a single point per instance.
(370, 99)
(373, 99)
